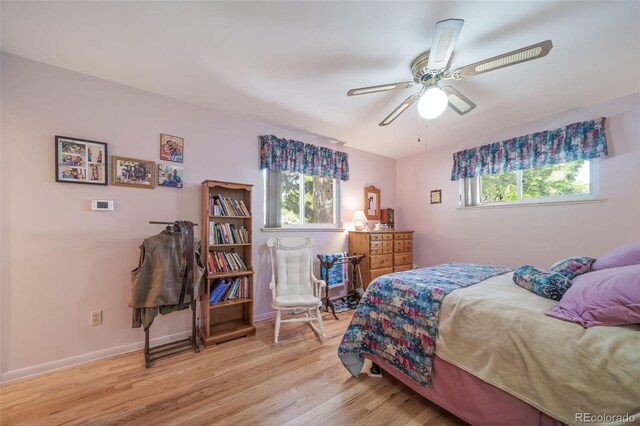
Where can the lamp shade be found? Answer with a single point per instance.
(358, 216)
(432, 103)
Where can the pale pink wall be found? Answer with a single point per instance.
(537, 235)
(60, 260)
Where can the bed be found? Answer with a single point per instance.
(470, 340)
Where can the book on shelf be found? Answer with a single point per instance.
(226, 206)
(227, 292)
(227, 233)
(217, 289)
(229, 289)
(225, 261)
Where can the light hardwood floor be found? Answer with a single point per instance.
(246, 381)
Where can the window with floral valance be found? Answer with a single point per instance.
(577, 141)
(295, 156)
(547, 166)
(302, 183)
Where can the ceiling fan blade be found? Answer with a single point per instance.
(457, 101)
(380, 88)
(445, 36)
(514, 57)
(400, 109)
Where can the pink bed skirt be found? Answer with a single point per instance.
(469, 398)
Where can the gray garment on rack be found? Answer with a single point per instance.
(158, 279)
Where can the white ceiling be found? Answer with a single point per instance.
(293, 62)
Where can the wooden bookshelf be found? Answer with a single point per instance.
(228, 217)
(230, 274)
(232, 318)
(229, 302)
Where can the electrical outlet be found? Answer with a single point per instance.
(96, 318)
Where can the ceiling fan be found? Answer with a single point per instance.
(434, 65)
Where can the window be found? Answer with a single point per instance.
(556, 182)
(296, 200)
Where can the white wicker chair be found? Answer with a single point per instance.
(293, 286)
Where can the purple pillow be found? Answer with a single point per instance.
(621, 256)
(608, 297)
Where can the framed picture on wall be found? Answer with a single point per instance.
(132, 172)
(171, 148)
(436, 196)
(170, 175)
(81, 161)
(372, 203)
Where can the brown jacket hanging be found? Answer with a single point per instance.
(158, 280)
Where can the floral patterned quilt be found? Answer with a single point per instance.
(397, 318)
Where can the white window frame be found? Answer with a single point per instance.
(470, 190)
(272, 200)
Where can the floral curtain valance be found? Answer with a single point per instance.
(577, 141)
(296, 156)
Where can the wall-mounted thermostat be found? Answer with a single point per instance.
(101, 204)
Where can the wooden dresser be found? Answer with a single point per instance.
(385, 251)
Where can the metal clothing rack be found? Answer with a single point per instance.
(354, 260)
(183, 345)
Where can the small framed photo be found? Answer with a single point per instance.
(81, 161)
(132, 172)
(171, 148)
(170, 175)
(436, 196)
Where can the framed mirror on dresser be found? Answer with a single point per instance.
(372, 202)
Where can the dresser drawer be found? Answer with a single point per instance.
(387, 236)
(400, 259)
(404, 236)
(408, 245)
(386, 250)
(402, 268)
(381, 244)
(375, 273)
(383, 261)
(375, 237)
(375, 251)
(399, 246)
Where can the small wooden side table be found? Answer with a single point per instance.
(354, 260)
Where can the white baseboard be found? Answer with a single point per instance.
(264, 317)
(81, 359)
(47, 367)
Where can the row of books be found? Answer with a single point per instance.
(225, 261)
(221, 206)
(229, 289)
(227, 233)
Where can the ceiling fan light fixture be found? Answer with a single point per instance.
(432, 103)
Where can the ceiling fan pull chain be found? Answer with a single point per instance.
(426, 140)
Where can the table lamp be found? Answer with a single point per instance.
(359, 219)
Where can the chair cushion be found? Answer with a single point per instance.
(305, 300)
(293, 272)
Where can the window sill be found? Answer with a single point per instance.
(303, 229)
(535, 204)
